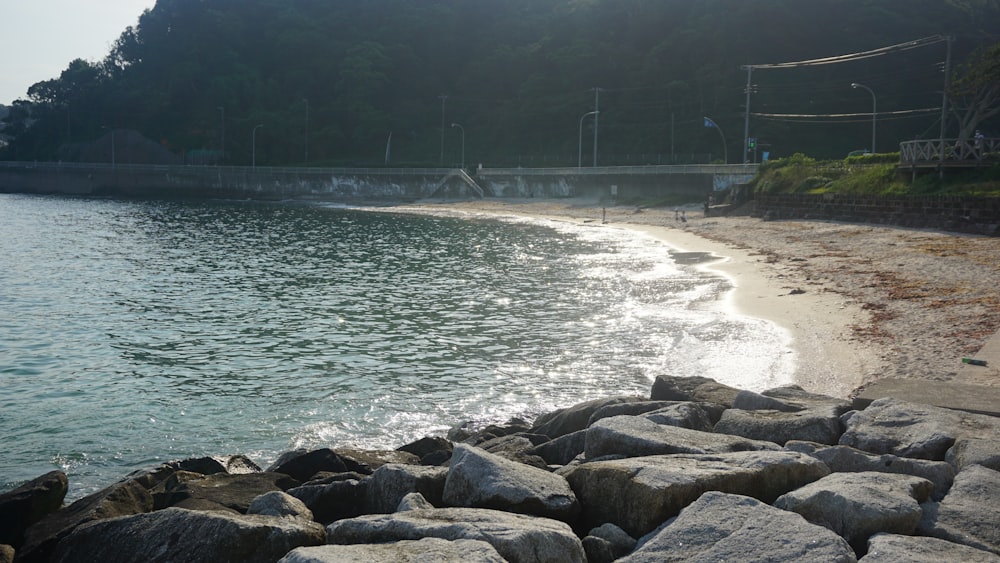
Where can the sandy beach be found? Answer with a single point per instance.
(861, 302)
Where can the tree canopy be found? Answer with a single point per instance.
(331, 80)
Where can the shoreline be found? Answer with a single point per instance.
(860, 302)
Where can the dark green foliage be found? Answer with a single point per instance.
(330, 80)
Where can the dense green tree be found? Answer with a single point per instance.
(330, 80)
(976, 91)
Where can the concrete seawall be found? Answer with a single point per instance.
(694, 183)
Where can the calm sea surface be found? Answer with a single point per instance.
(137, 332)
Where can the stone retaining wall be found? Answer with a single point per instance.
(976, 215)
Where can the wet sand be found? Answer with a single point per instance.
(861, 302)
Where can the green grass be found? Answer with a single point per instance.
(872, 175)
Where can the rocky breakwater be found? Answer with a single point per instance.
(696, 471)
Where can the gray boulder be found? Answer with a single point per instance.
(517, 447)
(725, 527)
(390, 483)
(335, 500)
(29, 503)
(517, 537)
(628, 409)
(859, 505)
(280, 504)
(233, 491)
(714, 392)
(479, 479)
(844, 459)
(970, 513)
(366, 462)
(694, 416)
(606, 543)
(639, 494)
(561, 450)
(892, 548)
(890, 426)
(572, 419)
(675, 388)
(234, 465)
(120, 499)
(175, 534)
(750, 401)
(302, 464)
(428, 446)
(633, 436)
(413, 501)
(797, 396)
(6, 553)
(426, 550)
(970, 451)
(816, 424)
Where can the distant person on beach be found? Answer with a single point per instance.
(677, 214)
(684, 218)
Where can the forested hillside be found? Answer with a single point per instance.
(330, 81)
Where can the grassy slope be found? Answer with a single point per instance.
(871, 174)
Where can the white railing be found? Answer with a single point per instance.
(625, 170)
(947, 150)
(187, 169)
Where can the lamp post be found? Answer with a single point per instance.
(855, 85)
(462, 129)
(253, 145)
(307, 130)
(222, 109)
(444, 98)
(579, 155)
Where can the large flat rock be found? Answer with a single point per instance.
(947, 394)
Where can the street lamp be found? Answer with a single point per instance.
(855, 85)
(463, 142)
(253, 145)
(579, 152)
(307, 129)
(222, 109)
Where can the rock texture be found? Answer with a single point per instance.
(970, 513)
(817, 424)
(693, 469)
(890, 426)
(477, 479)
(29, 503)
(426, 550)
(207, 537)
(844, 459)
(859, 505)
(517, 537)
(724, 527)
(892, 548)
(639, 494)
(634, 436)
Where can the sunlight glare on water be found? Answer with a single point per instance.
(137, 332)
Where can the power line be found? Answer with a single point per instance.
(836, 115)
(855, 56)
(840, 118)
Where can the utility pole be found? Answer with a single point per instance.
(944, 106)
(746, 119)
(597, 114)
(222, 109)
(443, 98)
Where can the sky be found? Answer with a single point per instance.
(39, 38)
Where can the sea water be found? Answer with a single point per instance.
(138, 332)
